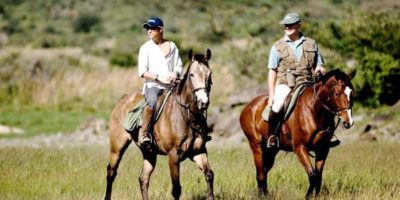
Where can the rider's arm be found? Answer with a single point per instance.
(271, 85)
(320, 62)
(273, 63)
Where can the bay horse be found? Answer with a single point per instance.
(177, 132)
(310, 127)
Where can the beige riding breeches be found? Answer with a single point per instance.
(281, 92)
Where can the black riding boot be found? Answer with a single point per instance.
(273, 122)
(144, 138)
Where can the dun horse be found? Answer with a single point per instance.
(177, 133)
(310, 127)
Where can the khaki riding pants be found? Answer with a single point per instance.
(281, 92)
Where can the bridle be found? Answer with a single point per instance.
(335, 111)
(188, 106)
(191, 107)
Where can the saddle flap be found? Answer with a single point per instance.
(291, 100)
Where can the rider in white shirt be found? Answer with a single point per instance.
(160, 65)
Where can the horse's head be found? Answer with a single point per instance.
(199, 77)
(340, 94)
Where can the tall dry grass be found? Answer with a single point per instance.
(69, 78)
(61, 80)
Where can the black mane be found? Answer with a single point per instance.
(339, 74)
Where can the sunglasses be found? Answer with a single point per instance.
(152, 28)
(290, 26)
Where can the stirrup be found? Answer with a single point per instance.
(269, 140)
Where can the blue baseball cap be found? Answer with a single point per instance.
(153, 22)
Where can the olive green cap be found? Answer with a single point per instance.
(291, 18)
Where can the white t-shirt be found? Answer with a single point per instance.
(152, 59)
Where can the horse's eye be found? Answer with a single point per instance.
(191, 75)
(337, 94)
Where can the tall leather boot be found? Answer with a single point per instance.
(273, 121)
(144, 138)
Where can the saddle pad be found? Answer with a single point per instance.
(133, 119)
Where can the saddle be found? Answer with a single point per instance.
(289, 104)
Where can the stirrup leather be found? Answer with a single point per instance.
(269, 140)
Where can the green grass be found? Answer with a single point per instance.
(45, 120)
(353, 171)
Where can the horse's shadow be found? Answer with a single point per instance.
(199, 197)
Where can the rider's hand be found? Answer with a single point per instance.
(173, 77)
(270, 101)
(165, 80)
(320, 69)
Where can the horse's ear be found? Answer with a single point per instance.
(208, 54)
(352, 74)
(190, 54)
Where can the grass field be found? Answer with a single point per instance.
(353, 171)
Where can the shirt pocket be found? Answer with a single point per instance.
(310, 55)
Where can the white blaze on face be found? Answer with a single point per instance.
(202, 96)
(347, 91)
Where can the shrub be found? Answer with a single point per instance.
(376, 80)
(122, 60)
(86, 22)
(374, 46)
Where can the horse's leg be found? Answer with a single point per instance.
(269, 160)
(201, 161)
(118, 145)
(320, 158)
(149, 163)
(259, 163)
(304, 158)
(173, 161)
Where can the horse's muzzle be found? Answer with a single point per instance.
(202, 106)
(202, 99)
(347, 125)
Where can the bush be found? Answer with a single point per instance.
(370, 38)
(86, 22)
(376, 80)
(122, 60)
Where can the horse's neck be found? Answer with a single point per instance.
(320, 100)
(186, 95)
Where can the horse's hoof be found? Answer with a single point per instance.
(207, 138)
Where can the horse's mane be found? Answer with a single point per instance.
(339, 74)
(199, 58)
